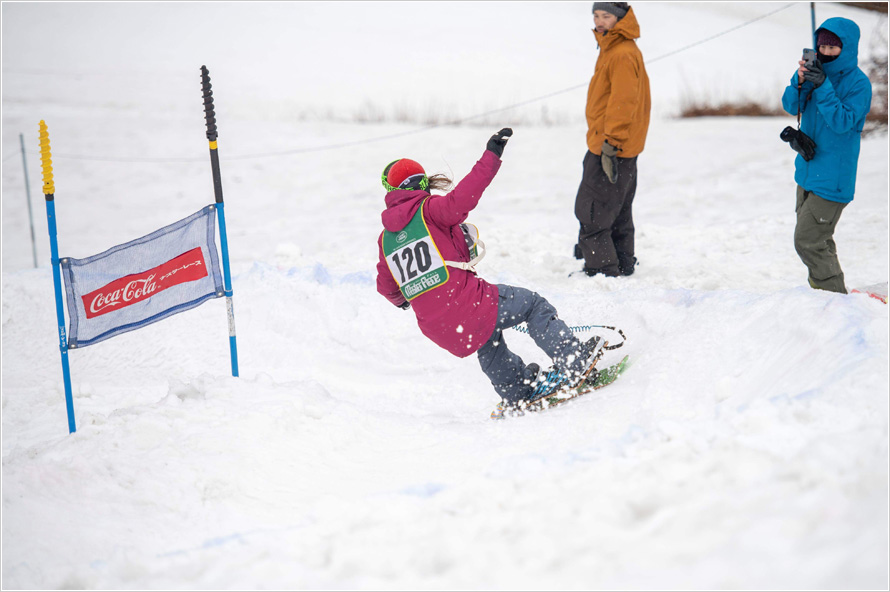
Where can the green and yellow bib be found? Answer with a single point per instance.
(413, 258)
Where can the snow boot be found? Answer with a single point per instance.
(592, 352)
(626, 266)
(608, 271)
(553, 379)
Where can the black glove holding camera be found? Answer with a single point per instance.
(800, 142)
(498, 141)
(815, 73)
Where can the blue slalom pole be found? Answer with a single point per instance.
(227, 281)
(49, 193)
(210, 118)
(813, 22)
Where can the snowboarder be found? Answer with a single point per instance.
(832, 96)
(425, 265)
(618, 105)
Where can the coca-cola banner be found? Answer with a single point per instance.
(137, 283)
(136, 287)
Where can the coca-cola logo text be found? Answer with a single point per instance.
(123, 292)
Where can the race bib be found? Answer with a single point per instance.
(413, 258)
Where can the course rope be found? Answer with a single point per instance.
(458, 121)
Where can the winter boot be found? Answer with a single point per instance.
(530, 376)
(548, 382)
(626, 266)
(591, 352)
(608, 271)
(552, 380)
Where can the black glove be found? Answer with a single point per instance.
(815, 73)
(498, 141)
(405, 305)
(800, 142)
(805, 146)
(610, 162)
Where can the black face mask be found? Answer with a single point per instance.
(825, 59)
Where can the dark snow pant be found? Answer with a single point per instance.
(814, 242)
(606, 238)
(505, 369)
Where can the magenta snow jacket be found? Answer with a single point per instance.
(460, 315)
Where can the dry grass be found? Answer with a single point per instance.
(745, 108)
(719, 102)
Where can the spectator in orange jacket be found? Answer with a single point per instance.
(618, 106)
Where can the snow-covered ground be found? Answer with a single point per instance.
(746, 447)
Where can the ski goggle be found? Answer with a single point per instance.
(413, 182)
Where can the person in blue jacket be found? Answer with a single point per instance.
(832, 97)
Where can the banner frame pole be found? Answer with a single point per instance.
(28, 198)
(227, 280)
(210, 119)
(49, 194)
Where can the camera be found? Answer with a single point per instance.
(809, 56)
(800, 142)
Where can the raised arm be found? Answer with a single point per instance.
(454, 207)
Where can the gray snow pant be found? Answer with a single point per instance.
(605, 211)
(505, 369)
(814, 242)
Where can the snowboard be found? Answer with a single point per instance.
(877, 291)
(604, 377)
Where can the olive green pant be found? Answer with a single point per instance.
(814, 242)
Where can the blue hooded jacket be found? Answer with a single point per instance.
(833, 116)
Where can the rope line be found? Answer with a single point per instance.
(427, 128)
(721, 34)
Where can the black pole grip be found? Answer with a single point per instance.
(217, 177)
(209, 115)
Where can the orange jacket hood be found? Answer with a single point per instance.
(618, 100)
(627, 28)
